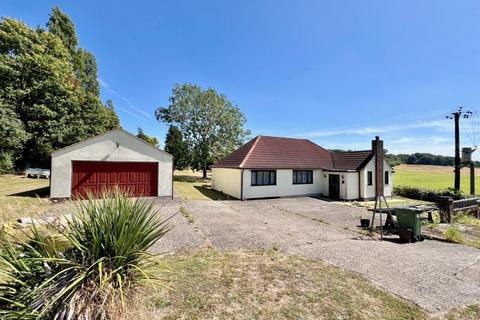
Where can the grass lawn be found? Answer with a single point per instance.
(20, 196)
(432, 177)
(191, 186)
(268, 285)
(394, 202)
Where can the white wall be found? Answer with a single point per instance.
(284, 186)
(227, 181)
(348, 184)
(352, 191)
(368, 192)
(104, 148)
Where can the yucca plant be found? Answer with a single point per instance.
(87, 267)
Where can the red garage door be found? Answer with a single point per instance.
(138, 178)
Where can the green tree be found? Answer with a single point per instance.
(12, 137)
(41, 89)
(84, 63)
(152, 140)
(177, 147)
(62, 26)
(211, 125)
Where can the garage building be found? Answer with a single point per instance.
(115, 158)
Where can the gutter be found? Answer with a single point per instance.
(173, 169)
(241, 184)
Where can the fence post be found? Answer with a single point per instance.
(445, 206)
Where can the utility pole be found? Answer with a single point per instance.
(456, 118)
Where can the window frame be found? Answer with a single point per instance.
(308, 175)
(257, 173)
(369, 178)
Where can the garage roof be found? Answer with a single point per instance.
(265, 152)
(99, 137)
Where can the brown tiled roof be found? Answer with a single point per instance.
(265, 152)
(351, 160)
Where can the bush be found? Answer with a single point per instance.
(87, 267)
(426, 194)
(6, 163)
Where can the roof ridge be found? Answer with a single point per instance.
(351, 151)
(257, 138)
(279, 137)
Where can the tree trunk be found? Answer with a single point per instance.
(205, 171)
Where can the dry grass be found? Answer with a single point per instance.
(392, 202)
(432, 169)
(191, 186)
(468, 313)
(432, 177)
(269, 285)
(20, 196)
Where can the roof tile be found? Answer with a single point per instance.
(264, 152)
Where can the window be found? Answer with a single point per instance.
(386, 180)
(369, 178)
(264, 177)
(302, 176)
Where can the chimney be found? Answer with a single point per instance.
(377, 150)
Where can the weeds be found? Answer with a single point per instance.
(187, 215)
(453, 234)
(468, 220)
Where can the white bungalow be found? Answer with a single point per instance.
(281, 167)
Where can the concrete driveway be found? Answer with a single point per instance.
(435, 275)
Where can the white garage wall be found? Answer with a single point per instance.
(227, 181)
(104, 148)
(284, 186)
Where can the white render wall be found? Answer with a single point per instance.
(368, 192)
(227, 181)
(104, 148)
(348, 184)
(352, 186)
(284, 186)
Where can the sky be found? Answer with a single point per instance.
(336, 72)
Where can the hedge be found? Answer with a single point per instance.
(426, 194)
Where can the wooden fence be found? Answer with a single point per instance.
(449, 207)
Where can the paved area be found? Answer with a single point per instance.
(435, 275)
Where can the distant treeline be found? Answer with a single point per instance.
(422, 158)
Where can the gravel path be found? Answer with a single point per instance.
(435, 275)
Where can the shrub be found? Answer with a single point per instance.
(426, 194)
(6, 163)
(103, 253)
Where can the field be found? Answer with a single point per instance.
(433, 177)
(191, 186)
(20, 196)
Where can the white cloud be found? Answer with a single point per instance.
(441, 125)
(103, 83)
(140, 114)
(131, 113)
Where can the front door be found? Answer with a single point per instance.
(334, 186)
